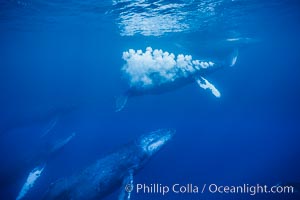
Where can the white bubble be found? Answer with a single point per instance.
(149, 49)
(166, 54)
(131, 51)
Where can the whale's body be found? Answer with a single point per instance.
(110, 172)
(169, 86)
(156, 89)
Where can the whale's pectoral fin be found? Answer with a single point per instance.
(50, 126)
(127, 187)
(203, 83)
(121, 102)
(234, 57)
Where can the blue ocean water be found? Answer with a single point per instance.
(60, 73)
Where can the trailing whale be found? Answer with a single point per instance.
(39, 115)
(112, 171)
(22, 173)
(156, 72)
(40, 164)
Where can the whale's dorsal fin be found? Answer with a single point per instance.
(203, 83)
(127, 187)
(121, 102)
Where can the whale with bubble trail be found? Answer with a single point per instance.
(156, 72)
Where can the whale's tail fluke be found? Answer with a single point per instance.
(233, 57)
(121, 102)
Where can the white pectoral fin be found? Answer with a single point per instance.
(203, 83)
(121, 102)
(127, 187)
(234, 57)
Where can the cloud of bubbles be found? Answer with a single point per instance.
(155, 67)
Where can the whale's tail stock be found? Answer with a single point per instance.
(121, 102)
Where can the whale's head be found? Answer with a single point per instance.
(154, 141)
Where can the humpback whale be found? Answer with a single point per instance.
(40, 163)
(49, 115)
(156, 72)
(29, 167)
(31, 179)
(114, 170)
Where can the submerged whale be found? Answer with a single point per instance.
(40, 163)
(112, 171)
(23, 172)
(38, 115)
(156, 72)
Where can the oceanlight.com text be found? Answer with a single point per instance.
(249, 189)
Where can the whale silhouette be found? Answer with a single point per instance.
(157, 72)
(40, 163)
(38, 115)
(114, 170)
(30, 167)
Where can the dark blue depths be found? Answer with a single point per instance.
(60, 70)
